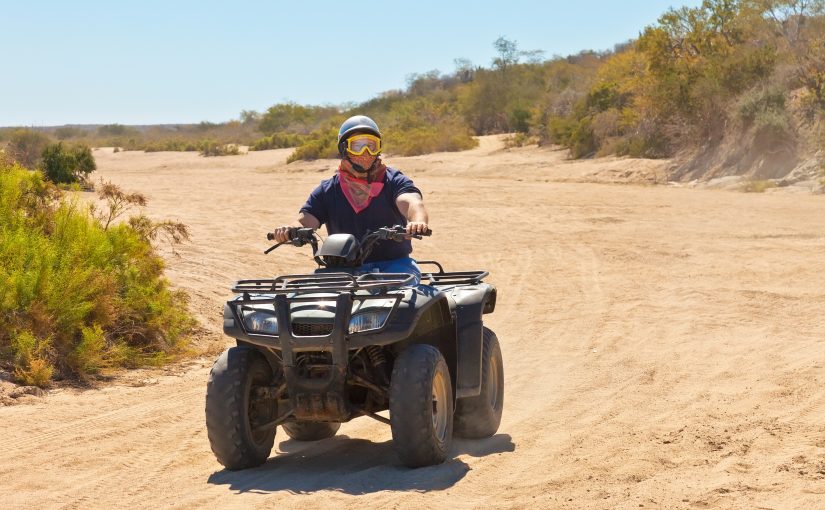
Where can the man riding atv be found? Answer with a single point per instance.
(363, 196)
(359, 334)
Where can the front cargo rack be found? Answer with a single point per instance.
(327, 282)
(448, 279)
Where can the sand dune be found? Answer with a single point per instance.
(663, 347)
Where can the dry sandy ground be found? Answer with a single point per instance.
(663, 347)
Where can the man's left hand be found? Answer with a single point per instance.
(417, 228)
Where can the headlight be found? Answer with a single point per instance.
(257, 321)
(368, 321)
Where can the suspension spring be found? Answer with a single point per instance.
(379, 361)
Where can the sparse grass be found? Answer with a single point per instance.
(519, 140)
(757, 186)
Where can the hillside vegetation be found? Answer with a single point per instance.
(731, 87)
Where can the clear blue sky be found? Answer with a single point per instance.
(150, 62)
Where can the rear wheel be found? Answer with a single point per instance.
(233, 414)
(310, 430)
(421, 406)
(477, 417)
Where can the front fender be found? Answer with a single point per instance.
(470, 302)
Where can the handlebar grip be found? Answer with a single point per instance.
(429, 232)
(292, 233)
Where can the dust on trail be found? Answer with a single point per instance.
(663, 347)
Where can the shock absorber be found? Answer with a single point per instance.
(379, 361)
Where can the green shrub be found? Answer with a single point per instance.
(64, 165)
(295, 118)
(278, 141)
(320, 144)
(168, 145)
(76, 297)
(758, 101)
(30, 364)
(424, 140)
(212, 148)
(575, 134)
(772, 127)
(519, 120)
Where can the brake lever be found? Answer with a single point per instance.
(272, 248)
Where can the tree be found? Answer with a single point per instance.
(294, 117)
(508, 54)
(464, 69)
(799, 26)
(250, 116)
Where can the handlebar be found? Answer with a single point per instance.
(295, 234)
(398, 233)
(302, 236)
(297, 237)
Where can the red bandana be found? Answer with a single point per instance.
(358, 191)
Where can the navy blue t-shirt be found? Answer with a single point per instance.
(328, 203)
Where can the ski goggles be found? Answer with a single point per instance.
(358, 144)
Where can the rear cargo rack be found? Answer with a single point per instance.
(447, 279)
(327, 282)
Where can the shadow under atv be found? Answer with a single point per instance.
(354, 466)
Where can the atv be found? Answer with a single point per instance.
(316, 350)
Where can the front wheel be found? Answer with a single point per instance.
(477, 417)
(233, 414)
(421, 406)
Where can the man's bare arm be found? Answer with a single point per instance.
(304, 220)
(412, 207)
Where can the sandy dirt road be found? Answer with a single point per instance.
(663, 347)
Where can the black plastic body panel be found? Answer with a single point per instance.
(342, 246)
(446, 316)
(469, 303)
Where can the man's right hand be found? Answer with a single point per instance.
(305, 220)
(281, 234)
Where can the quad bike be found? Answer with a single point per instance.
(315, 350)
